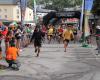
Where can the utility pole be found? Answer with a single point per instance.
(82, 15)
(21, 14)
(34, 10)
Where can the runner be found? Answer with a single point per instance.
(50, 33)
(75, 34)
(37, 37)
(67, 36)
(60, 32)
(43, 32)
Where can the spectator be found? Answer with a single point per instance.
(11, 57)
(2, 28)
(98, 38)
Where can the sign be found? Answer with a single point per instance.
(69, 14)
(72, 20)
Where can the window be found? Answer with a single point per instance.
(17, 11)
(18, 17)
(5, 10)
(5, 16)
(0, 10)
(30, 14)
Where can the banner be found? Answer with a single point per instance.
(87, 28)
(88, 7)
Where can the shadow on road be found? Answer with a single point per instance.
(2, 67)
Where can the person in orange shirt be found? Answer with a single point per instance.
(11, 57)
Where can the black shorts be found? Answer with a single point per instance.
(60, 35)
(66, 40)
(50, 35)
(43, 34)
(37, 43)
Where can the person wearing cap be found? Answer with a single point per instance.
(98, 38)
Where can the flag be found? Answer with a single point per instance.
(88, 5)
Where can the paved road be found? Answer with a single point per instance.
(54, 64)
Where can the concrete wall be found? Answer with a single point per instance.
(12, 12)
(6, 12)
(16, 13)
(7, 1)
(29, 14)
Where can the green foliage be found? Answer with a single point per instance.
(96, 7)
(56, 4)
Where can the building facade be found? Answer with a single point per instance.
(10, 10)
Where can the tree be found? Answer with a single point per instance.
(96, 7)
(31, 3)
(60, 4)
(68, 3)
(57, 4)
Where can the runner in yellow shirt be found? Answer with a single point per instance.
(50, 33)
(67, 36)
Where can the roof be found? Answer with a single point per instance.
(8, 2)
(45, 10)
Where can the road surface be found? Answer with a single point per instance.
(77, 63)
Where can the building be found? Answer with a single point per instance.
(10, 10)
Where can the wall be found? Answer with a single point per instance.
(12, 12)
(29, 14)
(6, 10)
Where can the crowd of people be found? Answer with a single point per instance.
(15, 38)
(18, 37)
